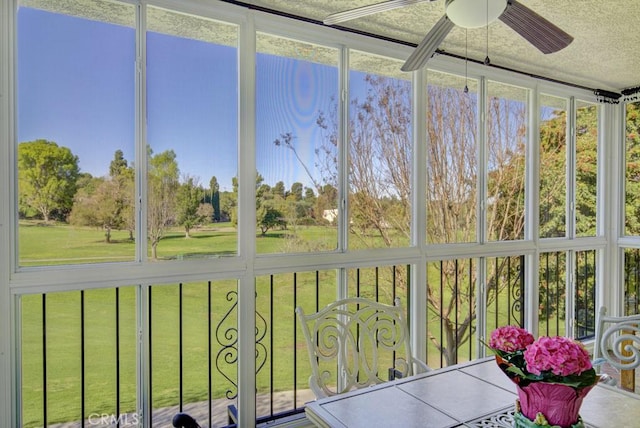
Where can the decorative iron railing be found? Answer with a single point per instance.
(79, 353)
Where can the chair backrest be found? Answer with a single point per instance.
(356, 342)
(617, 340)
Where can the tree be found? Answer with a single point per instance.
(264, 192)
(163, 186)
(84, 211)
(214, 188)
(380, 159)
(286, 140)
(118, 165)
(103, 208)
(279, 189)
(310, 203)
(123, 177)
(108, 203)
(188, 211)
(47, 175)
(506, 175)
(205, 212)
(452, 194)
(327, 199)
(553, 143)
(586, 169)
(268, 217)
(632, 182)
(228, 203)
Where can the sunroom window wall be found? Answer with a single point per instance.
(269, 167)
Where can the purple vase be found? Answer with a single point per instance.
(560, 404)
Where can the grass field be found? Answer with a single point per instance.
(81, 326)
(55, 244)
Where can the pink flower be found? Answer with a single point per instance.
(559, 355)
(510, 339)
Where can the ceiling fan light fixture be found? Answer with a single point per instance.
(474, 13)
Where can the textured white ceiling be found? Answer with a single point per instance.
(605, 53)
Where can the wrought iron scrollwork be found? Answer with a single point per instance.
(516, 290)
(227, 337)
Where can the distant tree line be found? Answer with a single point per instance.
(52, 187)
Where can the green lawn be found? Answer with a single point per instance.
(107, 366)
(104, 370)
(55, 243)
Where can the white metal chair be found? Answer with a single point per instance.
(356, 342)
(617, 342)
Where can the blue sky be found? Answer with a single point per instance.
(72, 102)
(76, 87)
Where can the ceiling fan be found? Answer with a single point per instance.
(538, 31)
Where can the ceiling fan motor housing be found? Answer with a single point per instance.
(474, 13)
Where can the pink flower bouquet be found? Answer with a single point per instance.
(552, 374)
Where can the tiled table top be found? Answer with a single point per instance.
(475, 394)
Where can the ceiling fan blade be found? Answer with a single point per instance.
(541, 33)
(359, 12)
(428, 45)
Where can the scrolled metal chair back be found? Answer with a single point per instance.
(618, 340)
(354, 343)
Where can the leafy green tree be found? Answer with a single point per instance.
(188, 212)
(163, 186)
(84, 211)
(232, 202)
(47, 175)
(632, 183)
(553, 147)
(103, 208)
(123, 176)
(108, 203)
(264, 192)
(268, 217)
(118, 165)
(214, 188)
(228, 204)
(586, 170)
(279, 190)
(309, 203)
(296, 190)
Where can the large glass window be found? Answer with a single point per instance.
(632, 162)
(380, 152)
(192, 136)
(76, 78)
(553, 166)
(586, 168)
(507, 134)
(452, 158)
(81, 123)
(296, 145)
